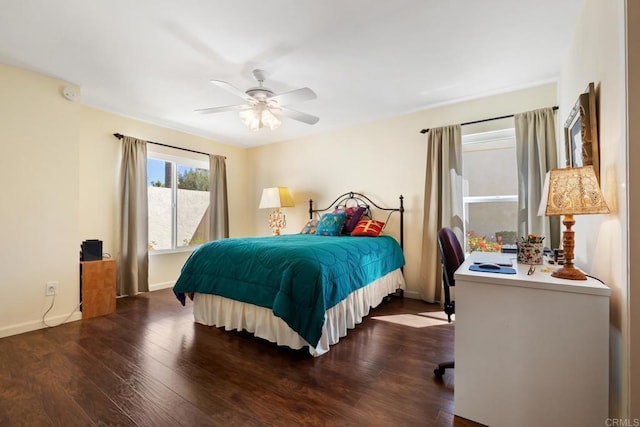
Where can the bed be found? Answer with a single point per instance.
(298, 290)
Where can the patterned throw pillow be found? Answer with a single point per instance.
(331, 224)
(354, 214)
(368, 227)
(310, 227)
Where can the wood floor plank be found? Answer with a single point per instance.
(122, 389)
(19, 401)
(150, 364)
(141, 372)
(52, 388)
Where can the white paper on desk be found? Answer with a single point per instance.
(492, 258)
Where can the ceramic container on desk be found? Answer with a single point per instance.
(530, 253)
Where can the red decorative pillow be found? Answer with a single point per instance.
(368, 227)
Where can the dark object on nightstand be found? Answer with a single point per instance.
(91, 250)
(452, 256)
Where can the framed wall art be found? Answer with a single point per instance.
(581, 132)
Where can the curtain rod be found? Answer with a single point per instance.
(555, 107)
(120, 136)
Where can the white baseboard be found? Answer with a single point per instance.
(162, 285)
(21, 328)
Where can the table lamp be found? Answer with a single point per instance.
(569, 192)
(276, 198)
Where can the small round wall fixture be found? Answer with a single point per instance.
(70, 93)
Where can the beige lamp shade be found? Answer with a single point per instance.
(572, 191)
(276, 197)
(569, 192)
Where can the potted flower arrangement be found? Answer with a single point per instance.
(478, 243)
(530, 249)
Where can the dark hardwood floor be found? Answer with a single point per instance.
(149, 364)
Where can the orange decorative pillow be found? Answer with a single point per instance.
(368, 227)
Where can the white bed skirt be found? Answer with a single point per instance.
(213, 310)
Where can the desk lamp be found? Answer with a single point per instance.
(276, 198)
(569, 192)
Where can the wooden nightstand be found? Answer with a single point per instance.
(98, 287)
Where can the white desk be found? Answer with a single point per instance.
(531, 350)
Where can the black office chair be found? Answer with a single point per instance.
(452, 256)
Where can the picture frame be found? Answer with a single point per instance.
(581, 132)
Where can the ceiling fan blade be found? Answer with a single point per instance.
(296, 115)
(239, 107)
(293, 96)
(234, 90)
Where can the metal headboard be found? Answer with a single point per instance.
(358, 199)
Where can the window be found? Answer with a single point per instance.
(490, 181)
(178, 193)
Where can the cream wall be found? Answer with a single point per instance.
(39, 215)
(60, 167)
(597, 54)
(382, 159)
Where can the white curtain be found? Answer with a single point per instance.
(133, 259)
(442, 203)
(536, 153)
(218, 206)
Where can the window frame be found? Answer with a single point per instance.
(166, 154)
(502, 138)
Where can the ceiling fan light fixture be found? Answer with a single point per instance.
(263, 107)
(258, 117)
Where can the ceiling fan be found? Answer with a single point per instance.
(264, 108)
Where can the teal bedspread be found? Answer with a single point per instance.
(297, 276)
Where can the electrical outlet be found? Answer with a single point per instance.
(51, 288)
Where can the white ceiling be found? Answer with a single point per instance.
(365, 59)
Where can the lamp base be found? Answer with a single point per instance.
(277, 221)
(569, 272)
